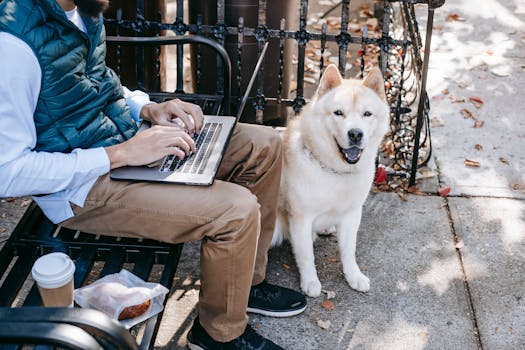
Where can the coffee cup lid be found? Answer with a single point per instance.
(53, 270)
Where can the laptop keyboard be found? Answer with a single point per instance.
(194, 163)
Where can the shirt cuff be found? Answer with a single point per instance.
(95, 161)
(136, 100)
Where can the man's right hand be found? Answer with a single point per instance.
(151, 145)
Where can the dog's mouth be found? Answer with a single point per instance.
(351, 154)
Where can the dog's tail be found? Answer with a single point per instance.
(278, 233)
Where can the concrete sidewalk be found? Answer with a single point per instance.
(446, 273)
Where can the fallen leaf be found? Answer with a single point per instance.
(445, 91)
(329, 294)
(472, 163)
(324, 324)
(423, 334)
(502, 71)
(476, 101)
(402, 196)
(2, 229)
(504, 160)
(25, 203)
(452, 17)
(457, 99)
(286, 266)
(478, 124)
(444, 191)
(380, 175)
(517, 186)
(415, 190)
(333, 260)
(478, 147)
(466, 113)
(490, 52)
(328, 305)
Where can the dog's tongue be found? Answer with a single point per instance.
(352, 154)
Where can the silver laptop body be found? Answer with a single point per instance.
(200, 167)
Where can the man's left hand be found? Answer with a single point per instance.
(167, 113)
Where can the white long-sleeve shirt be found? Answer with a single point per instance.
(60, 178)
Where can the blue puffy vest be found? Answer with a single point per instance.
(81, 102)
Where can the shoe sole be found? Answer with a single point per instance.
(194, 347)
(275, 313)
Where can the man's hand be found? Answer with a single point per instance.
(151, 145)
(166, 113)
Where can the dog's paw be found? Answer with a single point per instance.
(312, 288)
(358, 281)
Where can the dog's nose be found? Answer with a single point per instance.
(355, 135)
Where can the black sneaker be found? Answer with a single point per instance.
(198, 339)
(271, 300)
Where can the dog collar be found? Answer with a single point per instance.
(321, 165)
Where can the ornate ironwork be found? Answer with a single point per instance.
(400, 60)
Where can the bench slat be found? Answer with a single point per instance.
(114, 262)
(13, 282)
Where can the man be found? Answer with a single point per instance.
(65, 121)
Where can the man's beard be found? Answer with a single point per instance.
(92, 8)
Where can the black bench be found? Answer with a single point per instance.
(22, 320)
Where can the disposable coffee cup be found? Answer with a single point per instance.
(53, 274)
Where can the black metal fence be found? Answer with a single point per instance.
(397, 47)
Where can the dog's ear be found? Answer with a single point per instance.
(331, 78)
(374, 80)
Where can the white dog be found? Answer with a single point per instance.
(329, 165)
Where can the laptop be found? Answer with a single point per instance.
(201, 166)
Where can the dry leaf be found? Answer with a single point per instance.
(2, 229)
(478, 147)
(286, 266)
(457, 99)
(517, 186)
(445, 91)
(333, 260)
(478, 124)
(25, 203)
(472, 163)
(444, 191)
(380, 175)
(466, 113)
(452, 17)
(423, 334)
(402, 196)
(504, 160)
(415, 190)
(490, 52)
(328, 305)
(324, 324)
(476, 101)
(329, 294)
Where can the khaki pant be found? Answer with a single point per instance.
(235, 223)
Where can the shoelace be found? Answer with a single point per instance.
(266, 292)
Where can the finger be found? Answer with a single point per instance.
(189, 140)
(182, 144)
(196, 113)
(177, 111)
(176, 151)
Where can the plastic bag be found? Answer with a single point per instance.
(113, 293)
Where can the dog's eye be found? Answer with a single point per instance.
(339, 112)
(367, 114)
